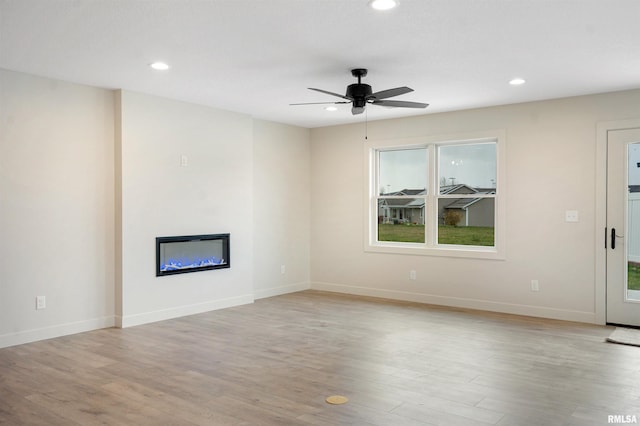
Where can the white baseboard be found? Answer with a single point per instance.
(28, 336)
(285, 289)
(181, 311)
(457, 302)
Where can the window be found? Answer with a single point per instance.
(436, 197)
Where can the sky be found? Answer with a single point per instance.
(474, 165)
(403, 169)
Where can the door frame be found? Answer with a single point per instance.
(603, 129)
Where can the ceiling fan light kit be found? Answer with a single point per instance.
(360, 94)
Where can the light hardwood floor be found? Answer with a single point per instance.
(274, 362)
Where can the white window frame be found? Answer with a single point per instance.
(430, 247)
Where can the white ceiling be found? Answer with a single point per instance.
(258, 56)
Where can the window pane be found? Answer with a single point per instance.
(473, 166)
(466, 221)
(401, 219)
(402, 172)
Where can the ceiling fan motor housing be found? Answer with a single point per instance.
(359, 93)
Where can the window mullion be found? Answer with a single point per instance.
(431, 219)
(375, 200)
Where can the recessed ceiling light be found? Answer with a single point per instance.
(517, 81)
(383, 4)
(160, 66)
(331, 108)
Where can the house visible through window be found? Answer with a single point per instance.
(402, 178)
(440, 195)
(466, 194)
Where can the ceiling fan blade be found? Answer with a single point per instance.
(322, 103)
(331, 93)
(389, 93)
(400, 104)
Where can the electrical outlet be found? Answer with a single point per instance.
(283, 269)
(571, 216)
(184, 160)
(412, 274)
(41, 302)
(535, 285)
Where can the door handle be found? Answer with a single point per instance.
(613, 238)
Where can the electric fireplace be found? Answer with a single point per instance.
(191, 253)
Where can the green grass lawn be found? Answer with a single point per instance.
(633, 277)
(404, 233)
(462, 235)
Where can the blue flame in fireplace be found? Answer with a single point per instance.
(185, 263)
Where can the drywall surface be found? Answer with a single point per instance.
(183, 169)
(550, 168)
(282, 204)
(56, 207)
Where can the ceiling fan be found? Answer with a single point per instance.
(359, 95)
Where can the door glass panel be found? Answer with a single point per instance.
(633, 222)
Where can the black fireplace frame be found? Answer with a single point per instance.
(186, 238)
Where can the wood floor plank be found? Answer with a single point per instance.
(275, 361)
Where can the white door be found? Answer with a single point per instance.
(623, 227)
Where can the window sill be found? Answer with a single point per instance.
(418, 249)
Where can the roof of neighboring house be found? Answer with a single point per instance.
(462, 203)
(486, 190)
(413, 191)
(407, 191)
(456, 203)
(460, 188)
(404, 202)
(412, 203)
(464, 189)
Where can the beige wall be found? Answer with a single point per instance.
(56, 207)
(282, 208)
(95, 175)
(551, 168)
